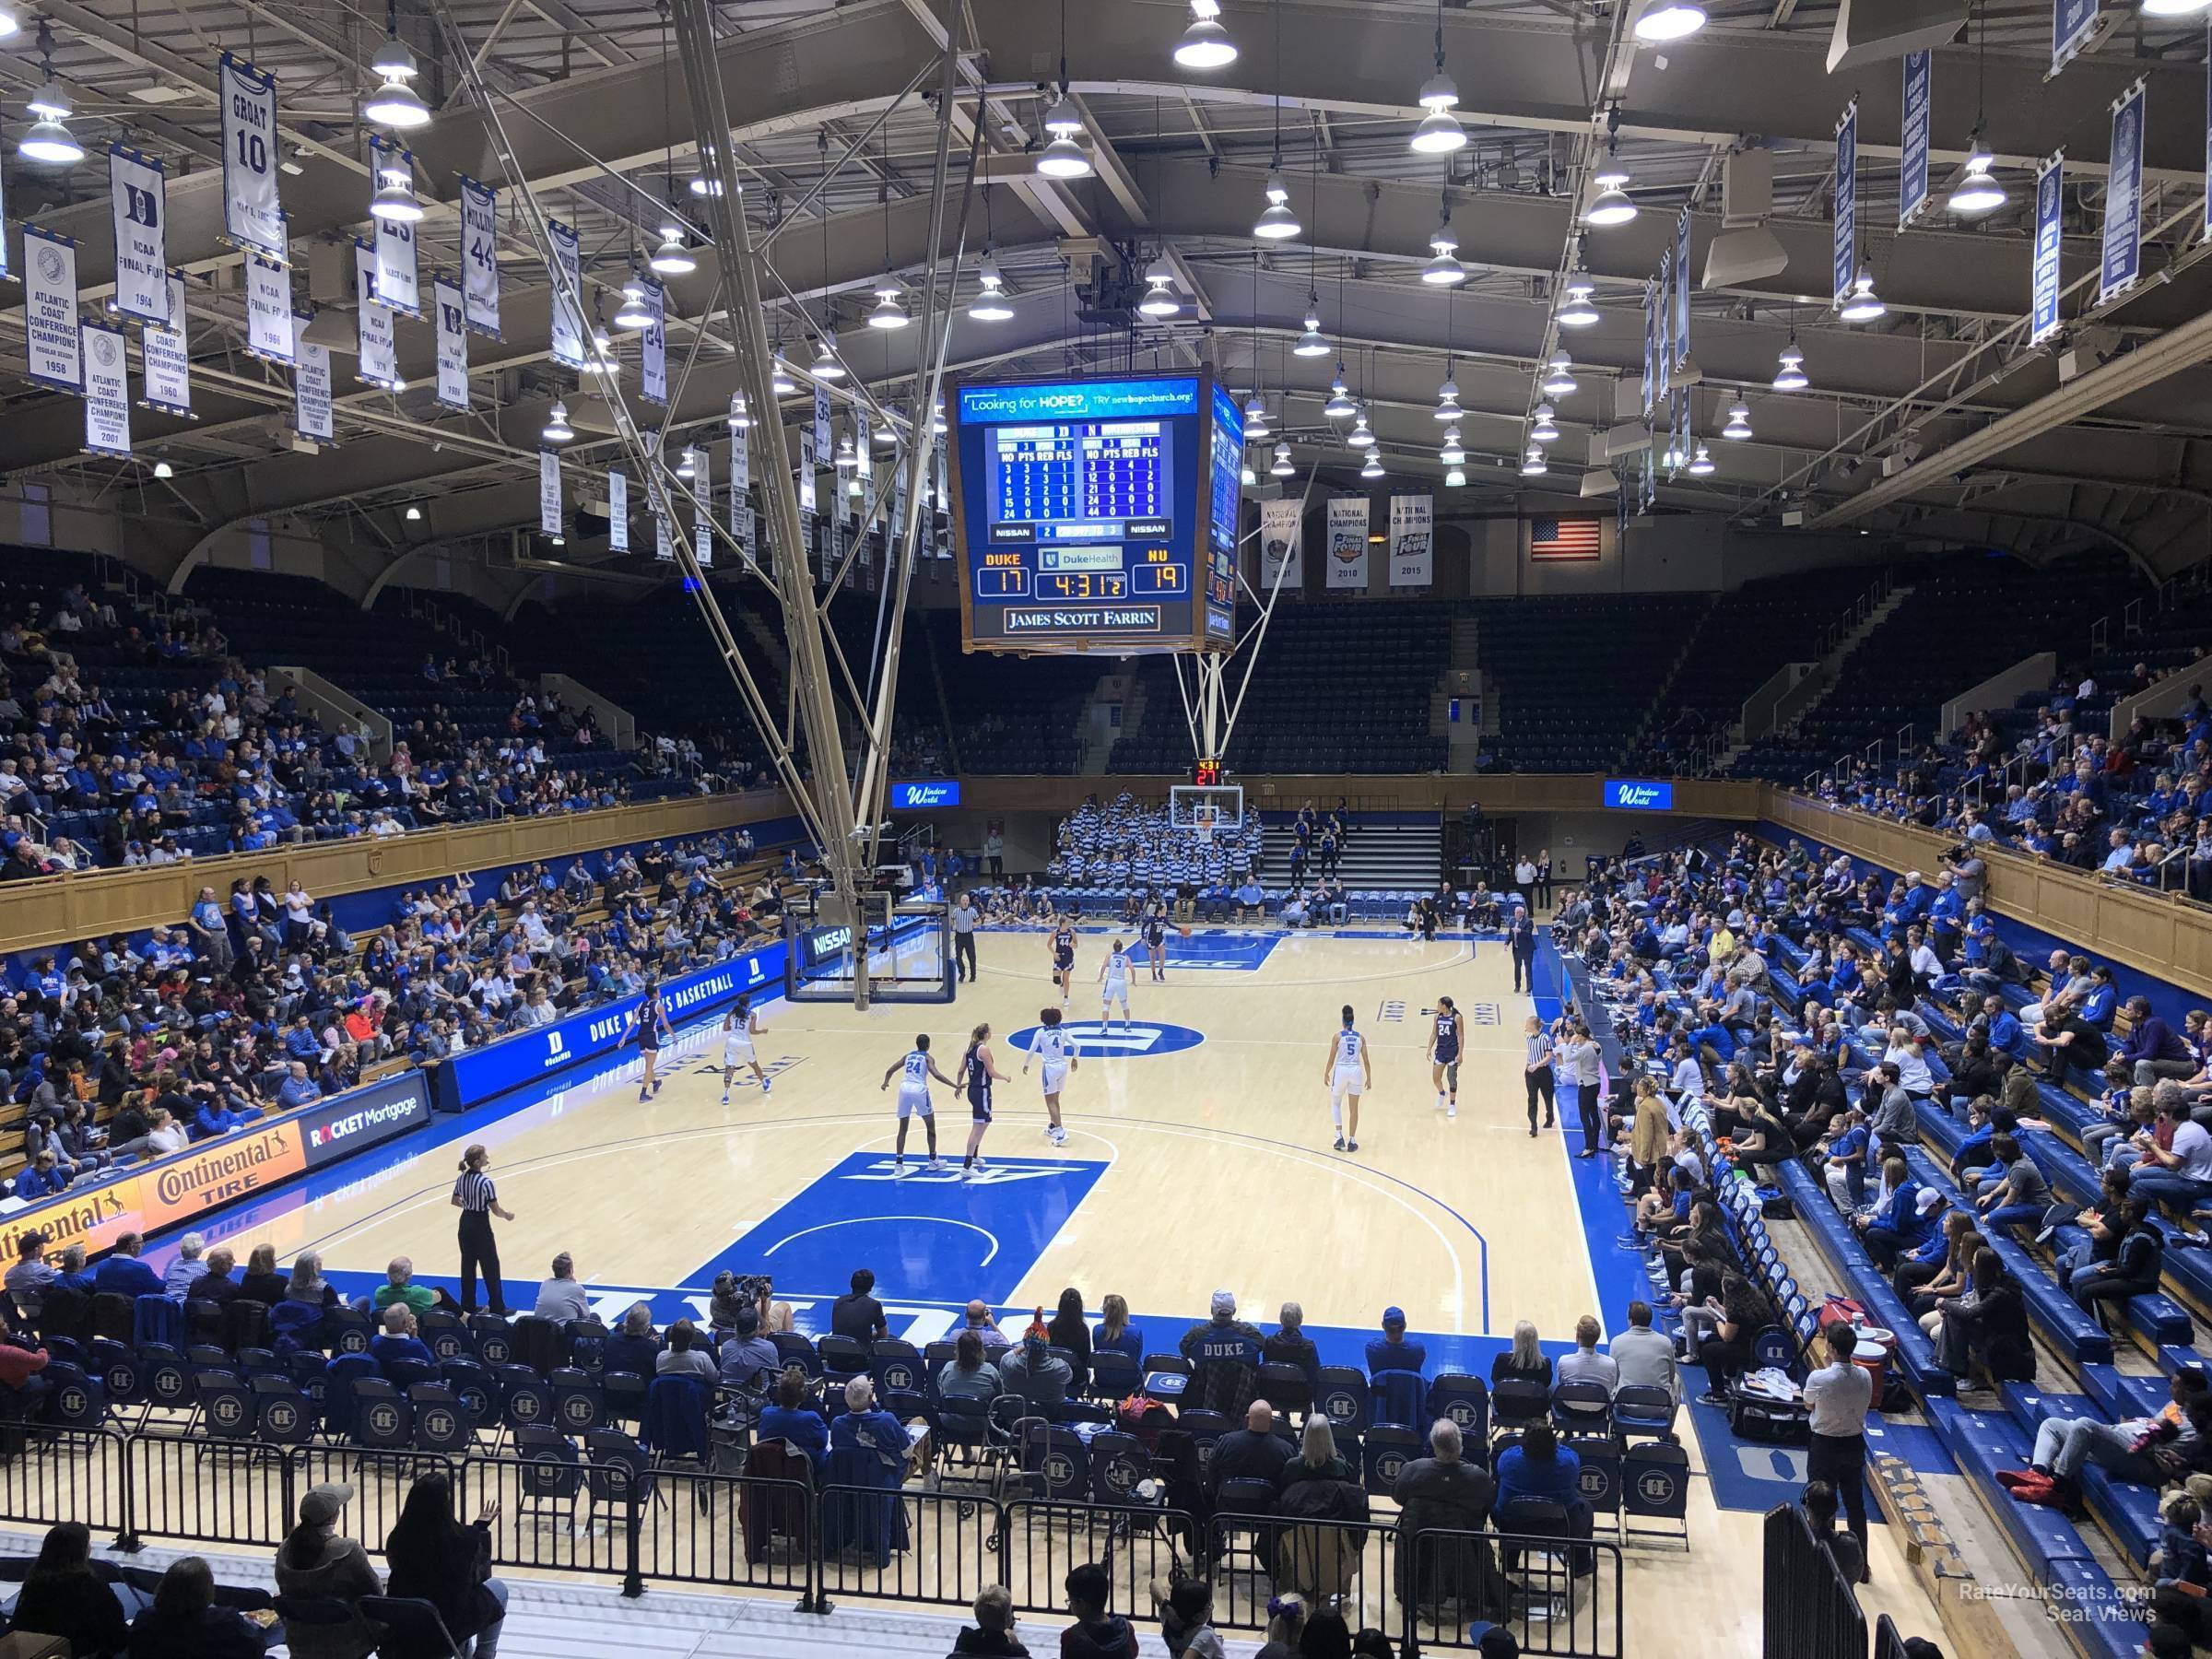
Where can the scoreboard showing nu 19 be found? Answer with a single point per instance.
(1097, 515)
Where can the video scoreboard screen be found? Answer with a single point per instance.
(1097, 515)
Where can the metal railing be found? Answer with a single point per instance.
(617, 1513)
(1808, 1611)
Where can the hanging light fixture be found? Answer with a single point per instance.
(1663, 20)
(1064, 156)
(1862, 305)
(395, 103)
(1255, 419)
(991, 305)
(1205, 44)
(1700, 463)
(672, 257)
(413, 513)
(1247, 477)
(887, 431)
(1159, 300)
(9, 23)
(1547, 430)
(1444, 270)
(1456, 479)
(1531, 465)
(1739, 422)
(1452, 455)
(740, 416)
(162, 469)
(847, 458)
(1978, 192)
(1611, 205)
(1557, 379)
(2175, 8)
(1790, 376)
(557, 429)
(826, 365)
(1447, 400)
(705, 182)
(50, 143)
(686, 465)
(1281, 467)
(1340, 406)
(632, 314)
(394, 198)
(778, 376)
(936, 420)
(600, 360)
(1374, 470)
(1359, 438)
(1578, 312)
(890, 309)
(852, 487)
(1311, 343)
(1276, 222)
(1440, 133)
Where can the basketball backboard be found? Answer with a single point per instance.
(1190, 804)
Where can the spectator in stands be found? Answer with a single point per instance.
(1185, 1613)
(2144, 1451)
(2177, 1172)
(187, 1270)
(398, 1343)
(1115, 1332)
(1936, 1260)
(1642, 1358)
(1586, 1364)
(2135, 1265)
(1071, 1335)
(748, 1359)
(969, 1374)
(1252, 1453)
(30, 1274)
(2068, 1040)
(1988, 1324)
(216, 1285)
(1896, 1120)
(1290, 1345)
(1034, 1372)
(687, 1355)
(866, 1424)
(561, 1297)
(1391, 1351)
(1096, 1635)
(185, 1623)
(41, 1178)
(315, 1561)
(993, 1631)
(432, 1556)
(62, 1595)
(2101, 1141)
(791, 1420)
(1225, 1358)
(261, 1282)
(399, 1287)
(2154, 1049)
(1540, 1467)
(2018, 1195)
(1524, 1361)
(1844, 1550)
(122, 1274)
(1904, 1220)
(858, 1314)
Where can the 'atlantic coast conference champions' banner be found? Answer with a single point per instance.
(210, 1175)
(470, 1079)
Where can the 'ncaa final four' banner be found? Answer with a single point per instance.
(1282, 535)
(138, 201)
(1412, 541)
(1347, 543)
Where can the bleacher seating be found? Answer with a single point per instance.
(1576, 677)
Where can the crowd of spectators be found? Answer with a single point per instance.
(1126, 841)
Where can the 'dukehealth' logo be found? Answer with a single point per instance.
(1093, 1040)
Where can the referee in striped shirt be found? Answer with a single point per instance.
(478, 1201)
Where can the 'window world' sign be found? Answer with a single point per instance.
(1638, 795)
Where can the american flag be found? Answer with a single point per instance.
(1563, 540)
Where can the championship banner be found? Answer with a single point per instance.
(1847, 202)
(1650, 348)
(2043, 269)
(1412, 541)
(107, 392)
(480, 256)
(397, 285)
(2124, 197)
(52, 345)
(617, 512)
(1347, 542)
(1682, 288)
(824, 443)
(567, 324)
(167, 358)
(138, 197)
(452, 342)
(1282, 552)
(808, 450)
(1666, 321)
(252, 219)
(549, 493)
(1913, 179)
(741, 461)
(268, 309)
(703, 508)
(663, 549)
(379, 350)
(653, 342)
(2072, 23)
(743, 530)
(312, 413)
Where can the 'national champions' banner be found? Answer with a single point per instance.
(1281, 551)
(1412, 541)
(1347, 543)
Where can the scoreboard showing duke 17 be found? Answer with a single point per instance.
(1097, 515)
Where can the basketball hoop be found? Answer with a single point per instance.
(1203, 819)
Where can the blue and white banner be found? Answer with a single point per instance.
(1847, 202)
(446, 300)
(397, 285)
(568, 323)
(253, 218)
(1912, 180)
(1667, 321)
(617, 512)
(2124, 197)
(824, 444)
(480, 256)
(1682, 288)
(51, 342)
(703, 508)
(2043, 270)
(379, 351)
(268, 309)
(138, 198)
(107, 392)
(549, 493)
(312, 415)
(167, 356)
(664, 549)
(809, 450)
(652, 345)
(2072, 23)
(741, 461)
(1650, 347)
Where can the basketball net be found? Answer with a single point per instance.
(1202, 820)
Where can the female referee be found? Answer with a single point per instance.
(478, 1200)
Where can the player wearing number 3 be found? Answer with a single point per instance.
(1113, 984)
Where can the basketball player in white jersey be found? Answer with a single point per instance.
(1443, 1055)
(739, 1029)
(1113, 984)
(914, 1074)
(1349, 1075)
(1056, 1050)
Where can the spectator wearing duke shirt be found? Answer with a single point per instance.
(1391, 1351)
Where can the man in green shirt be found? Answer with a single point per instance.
(399, 1290)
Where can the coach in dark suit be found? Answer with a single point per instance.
(1522, 939)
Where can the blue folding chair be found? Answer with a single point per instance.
(526, 1398)
(1342, 1397)
(578, 1401)
(1467, 1401)
(1383, 1453)
(343, 1377)
(157, 1319)
(283, 1415)
(674, 1422)
(78, 1400)
(1057, 1462)
(383, 1418)
(1114, 1376)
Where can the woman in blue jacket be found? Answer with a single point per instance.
(793, 1420)
(1903, 1222)
(1540, 1467)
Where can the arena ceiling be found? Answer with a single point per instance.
(1936, 421)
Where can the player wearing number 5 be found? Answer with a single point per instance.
(1349, 1075)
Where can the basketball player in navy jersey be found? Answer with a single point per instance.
(914, 1074)
(1156, 942)
(1057, 1050)
(1064, 954)
(1349, 1075)
(1443, 1055)
(652, 1025)
(977, 1074)
(1114, 985)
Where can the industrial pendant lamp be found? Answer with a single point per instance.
(1374, 470)
(1359, 438)
(1447, 400)
(1547, 429)
(394, 198)
(1612, 204)
(1311, 343)
(632, 314)
(826, 365)
(1159, 301)
(1792, 377)
(740, 418)
(1664, 20)
(672, 257)
(1205, 44)
(395, 103)
(1064, 156)
(1452, 453)
(1444, 270)
(1531, 465)
(557, 429)
(890, 309)
(1977, 192)
(1862, 305)
(50, 143)
(1739, 422)
(1700, 463)
(1440, 133)
(1276, 222)
(991, 305)
(1281, 467)
(1255, 419)
(1578, 312)
(1340, 406)
(1557, 379)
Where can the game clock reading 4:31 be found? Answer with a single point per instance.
(1097, 514)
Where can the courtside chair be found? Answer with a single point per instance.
(1655, 1491)
(412, 1628)
(345, 1330)
(442, 1423)
(898, 1368)
(1119, 1464)
(494, 1337)
(444, 1333)
(384, 1420)
(1341, 1396)
(1114, 1376)
(551, 1477)
(1383, 1453)
(1538, 1577)
(1582, 1408)
(578, 1401)
(473, 1384)
(795, 1350)
(842, 1359)
(1467, 1401)
(1599, 1478)
(342, 1377)
(1643, 1411)
(1516, 1403)
(283, 1415)
(78, 1399)
(1054, 1461)
(1399, 1396)
(1286, 1388)
(614, 1467)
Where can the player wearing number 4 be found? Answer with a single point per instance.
(1051, 1045)
(737, 1033)
(914, 1074)
(1114, 985)
(1349, 1075)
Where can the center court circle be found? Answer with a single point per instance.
(1110, 1040)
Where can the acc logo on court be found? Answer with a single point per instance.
(1095, 1040)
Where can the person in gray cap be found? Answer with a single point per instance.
(315, 1561)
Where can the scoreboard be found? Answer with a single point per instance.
(1097, 515)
